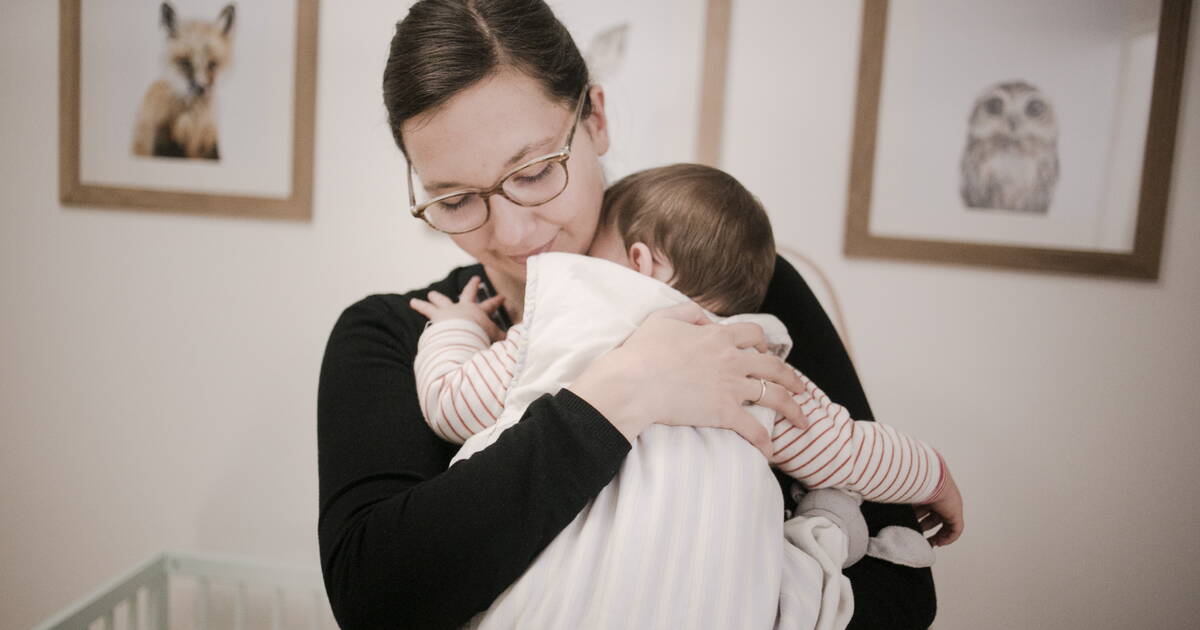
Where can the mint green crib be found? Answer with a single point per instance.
(185, 591)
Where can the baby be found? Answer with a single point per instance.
(699, 231)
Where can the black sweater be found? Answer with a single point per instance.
(406, 543)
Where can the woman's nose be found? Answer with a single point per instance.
(511, 224)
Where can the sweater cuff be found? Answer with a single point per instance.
(580, 439)
(593, 422)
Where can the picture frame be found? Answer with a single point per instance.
(183, 138)
(970, 219)
(674, 50)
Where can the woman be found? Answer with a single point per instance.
(475, 91)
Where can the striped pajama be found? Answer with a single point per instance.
(689, 534)
(462, 382)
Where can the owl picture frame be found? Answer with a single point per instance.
(188, 106)
(1025, 134)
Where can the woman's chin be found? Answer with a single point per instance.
(506, 267)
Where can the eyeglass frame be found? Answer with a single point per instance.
(561, 156)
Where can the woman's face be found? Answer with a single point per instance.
(486, 129)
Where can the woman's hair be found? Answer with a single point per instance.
(444, 46)
(715, 233)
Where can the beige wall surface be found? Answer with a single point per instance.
(158, 372)
(1068, 407)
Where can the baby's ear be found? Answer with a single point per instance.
(641, 258)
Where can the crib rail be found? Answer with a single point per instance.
(140, 599)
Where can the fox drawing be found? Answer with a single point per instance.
(177, 117)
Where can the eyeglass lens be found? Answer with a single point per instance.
(533, 185)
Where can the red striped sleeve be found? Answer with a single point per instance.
(870, 458)
(454, 368)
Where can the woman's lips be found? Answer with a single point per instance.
(521, 258)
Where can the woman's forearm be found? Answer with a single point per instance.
(406, 542)
(439, 550)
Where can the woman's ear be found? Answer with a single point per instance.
(641, 259)
(596, 124)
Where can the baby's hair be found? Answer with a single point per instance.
(715, 233)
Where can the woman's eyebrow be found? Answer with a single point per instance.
(524, 152)
(516, 158)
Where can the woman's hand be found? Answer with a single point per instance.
(678, 368)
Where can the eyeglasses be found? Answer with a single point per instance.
(532, 183)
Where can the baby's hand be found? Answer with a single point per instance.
(440, 308)
(946, 511)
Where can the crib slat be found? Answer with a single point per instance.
(109, 620)
(158, 604)
(239, 607)
(131, 621)
(276, 608)
(203, 604)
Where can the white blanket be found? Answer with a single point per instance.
(690, 532)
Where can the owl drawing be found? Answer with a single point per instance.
(1011, 158)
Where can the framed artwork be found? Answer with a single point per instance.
(196, 106)
(1025, 134)
(662, 65)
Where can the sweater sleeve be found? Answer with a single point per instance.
(461, 380)
(406, 543)
(870, 458)
(886, 595)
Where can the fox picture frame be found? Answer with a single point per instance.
(180, 106)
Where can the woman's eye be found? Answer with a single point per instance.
(527, 177)
(455, 203)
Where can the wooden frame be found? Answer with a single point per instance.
(1142, 262)
(297, 206)
(712, 82)
(663, 68)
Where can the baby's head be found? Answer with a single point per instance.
(695, 228)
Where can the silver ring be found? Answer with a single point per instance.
(762, 392)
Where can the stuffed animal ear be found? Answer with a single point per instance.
(901, 545)
(225, 19)
(167, 19)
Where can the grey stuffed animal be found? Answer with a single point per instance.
(895, 544)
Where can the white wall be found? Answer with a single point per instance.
(1069, 407)
(158, 372)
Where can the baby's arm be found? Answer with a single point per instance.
(461, 380)
(870, 458)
